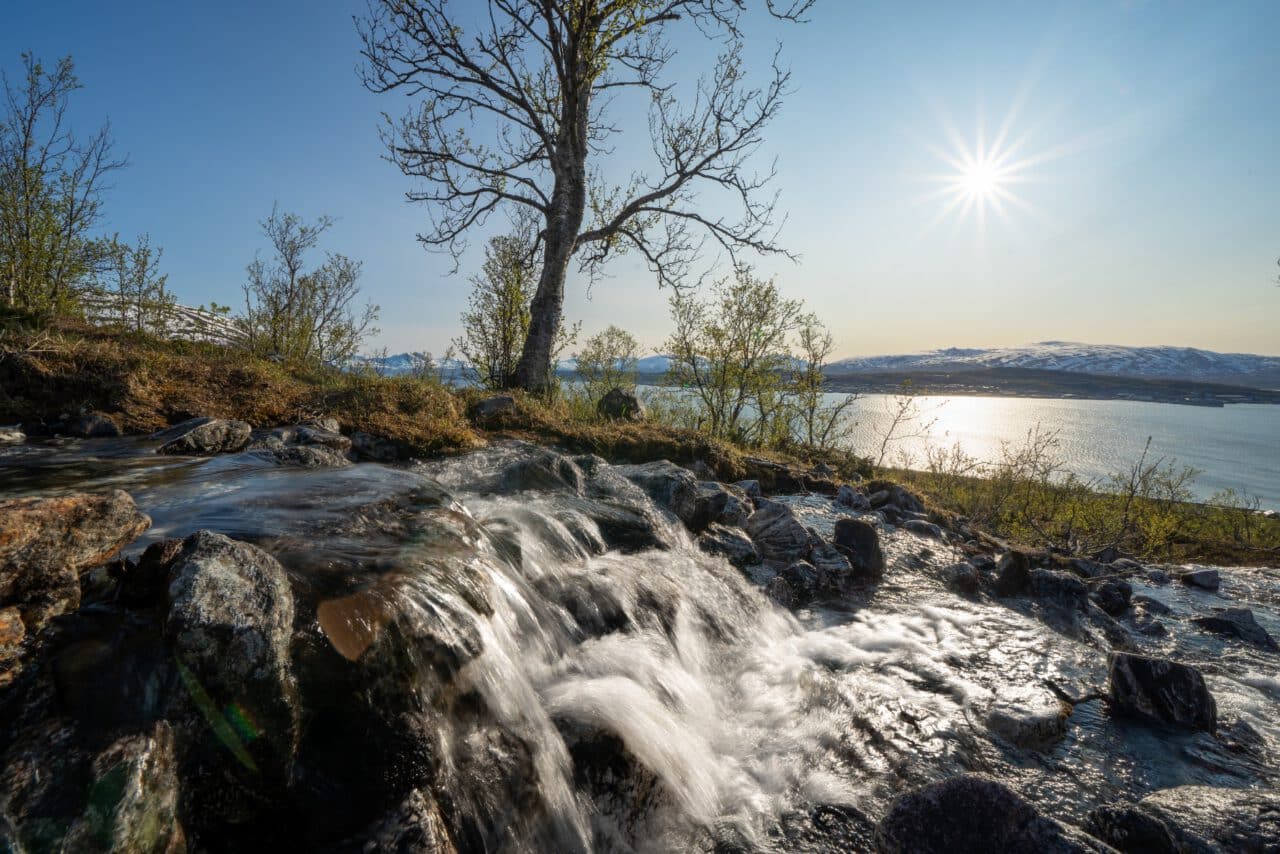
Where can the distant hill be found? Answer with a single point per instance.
(1166, 363)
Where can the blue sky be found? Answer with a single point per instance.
(1149, 213)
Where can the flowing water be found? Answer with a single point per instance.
(656, 699)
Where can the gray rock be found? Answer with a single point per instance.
(777, 532)
(897, 496)
(849, 497)
(374, 448)
(1238, 623)
(860, 542)
(1160, 690)
(973, 812)
(1059, 589)
(1013, 574)
(204, 437)
(731, 543)
(545, 471)
(921, 528)
(91, 425)
(829, 560)
(304, 456)
(620, 405)
(1112, 595)
(492, 407)
(1086, 568)
(1028, 724)
(818, 829)
(797, 585)
(963, 578)
(668, 484)
(414, 827)
(229, 623)
(1205, 579)
(307, 434)
(12, 436)
(712, 502)
(1158, 576)
(1192, 819)
(751, 488)
(1153, 606)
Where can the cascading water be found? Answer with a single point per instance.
(590, 680)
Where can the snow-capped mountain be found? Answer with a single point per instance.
(1184, 363)
(405, 363)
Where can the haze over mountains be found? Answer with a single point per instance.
(1110, 360)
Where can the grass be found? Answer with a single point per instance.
(49, 371)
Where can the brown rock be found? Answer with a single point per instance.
(12, 633)
(45, 543)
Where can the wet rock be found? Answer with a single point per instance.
(1158, 576)
(92, 425)
(305, 456)
(229, 621)
(318, 434)
(921, 528)
(12, 436)
(1205, 579)
(796, 586)
(546, 471)
(1059, 590)
(1086, 568)
(972, 812)
(1144, 619)
(713, 502)
(620, 405)
(1152, 606)
(861, 544)
(666, 483)
(963, 578)
(45, 543)
(829, 560)
(750, 488)
(1238, 623)
(778, 532)
(847, 496)
(1189, 819)
(892, 495)
(1160, 690)
(731, 543)
(204, 437)
(824, 828)
(132, 801)
(1029, 724)
(376, 449)
(414, 827)
(492, 407)
(1013, 574)
(1112, 596)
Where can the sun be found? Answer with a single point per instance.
(981, 178)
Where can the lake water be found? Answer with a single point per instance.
(1235, 446)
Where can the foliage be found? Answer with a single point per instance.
(51, 187)
(134, 288)
(906, 420)
(1028, 496)
(515, 100)
(816, 423)
(606, 361)
(300, 315)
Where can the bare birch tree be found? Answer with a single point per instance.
(514, 100)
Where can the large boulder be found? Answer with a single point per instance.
(860, 542)
(972, 812)
(1160, 690)
(1112, 595)
(1238, 623)
(545, 471)
(1059, 590)
(45, 543)
(204, 437)
(620, 405)
(883, 494)
(778, 532)
(229, 623)
(847, 496)
(1192, 819)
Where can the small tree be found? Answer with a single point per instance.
(608, 360)
(731, 352)
(134, 286)
(816, 422)
(304, 316)
(51, 186)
